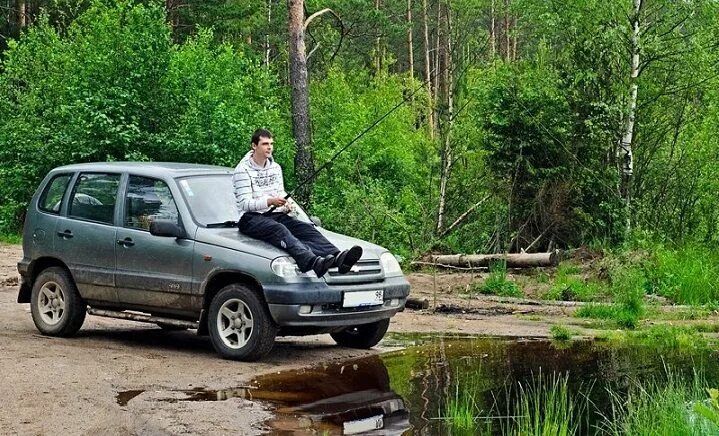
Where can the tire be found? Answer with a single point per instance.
(238, 304)
(56, 306)
(362, 336)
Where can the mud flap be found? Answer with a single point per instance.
(202, 328)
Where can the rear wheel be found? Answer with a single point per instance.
(56, 306)
(362, 336)
(240, 325)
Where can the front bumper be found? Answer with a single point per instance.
(319, 304)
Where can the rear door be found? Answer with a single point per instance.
(85, 238)
(153, 273)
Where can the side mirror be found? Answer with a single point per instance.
(166, 228)
(316, 220)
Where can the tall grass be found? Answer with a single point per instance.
(545, 408)
(686, 275)
(570, 286)
(659, 408)
(628, 287)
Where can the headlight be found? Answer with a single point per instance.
(287, 267)
(390, 265)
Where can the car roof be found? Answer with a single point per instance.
(171, 169)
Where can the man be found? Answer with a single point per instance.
(260, 198)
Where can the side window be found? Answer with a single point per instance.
(51, 197)
(94, 196)
(147, 200)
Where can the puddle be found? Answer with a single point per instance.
(407, 391)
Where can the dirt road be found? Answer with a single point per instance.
(54, 385)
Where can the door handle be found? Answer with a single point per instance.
(67, 234)
(127, 242)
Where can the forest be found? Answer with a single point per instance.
(520, 125)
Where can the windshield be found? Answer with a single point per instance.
(211, 199)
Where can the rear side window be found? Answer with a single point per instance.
(51, 197)
(148, 200)
(94, 197)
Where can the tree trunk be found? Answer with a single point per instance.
(304, 162)
(514, 260)
(22, 14)
(447, 87)
(377, 45)
(173, 19)
(492, 35)
(437, 67)
(625, 146)
(410, 48)
(507, 42)
(428, 72)
(267, 36)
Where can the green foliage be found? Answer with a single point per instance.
(569, 286)
(664, 337)
(115, 87)
(560, 332)
(374, 190)
(686, 275)
(628, 287)
(497, 282)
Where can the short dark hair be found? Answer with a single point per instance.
(261, 133)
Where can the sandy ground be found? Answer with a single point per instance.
(70, 386)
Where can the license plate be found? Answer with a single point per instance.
(363, 298)
(363, 425)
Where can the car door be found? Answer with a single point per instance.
(85, 235)
(153, 273)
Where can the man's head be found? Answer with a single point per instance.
(262, 144)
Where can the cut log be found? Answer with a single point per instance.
(514, 260)
(417, 303)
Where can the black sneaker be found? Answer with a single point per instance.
(346, 259)
(322, 264)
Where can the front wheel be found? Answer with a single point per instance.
(362, 336)
(239, 324)
(56, 306)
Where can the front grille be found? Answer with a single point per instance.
(364, 271)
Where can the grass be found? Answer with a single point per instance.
(560, 332)
(661, 408)
(497, 283)
(687, 275)
(545, 407)
(663, 337)
(628, 287)
(10, 238)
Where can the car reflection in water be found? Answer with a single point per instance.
(346, 398)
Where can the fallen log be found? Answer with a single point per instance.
(514, 260)
(417, 303)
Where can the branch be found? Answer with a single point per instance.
(317, 14)
(463, 216)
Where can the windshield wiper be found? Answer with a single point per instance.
(222, 224)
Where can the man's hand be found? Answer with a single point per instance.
(276, 201)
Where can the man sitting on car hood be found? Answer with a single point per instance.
(264, 213)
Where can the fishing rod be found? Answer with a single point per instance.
(364, 132)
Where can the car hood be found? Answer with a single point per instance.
(234, 240)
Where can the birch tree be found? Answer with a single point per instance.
(625, 146)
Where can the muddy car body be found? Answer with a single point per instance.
(156, 242)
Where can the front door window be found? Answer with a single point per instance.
(148, 200)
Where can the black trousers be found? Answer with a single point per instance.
(301, 240)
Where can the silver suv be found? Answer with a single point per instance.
(157, 242)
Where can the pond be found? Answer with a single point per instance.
(464, 385)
